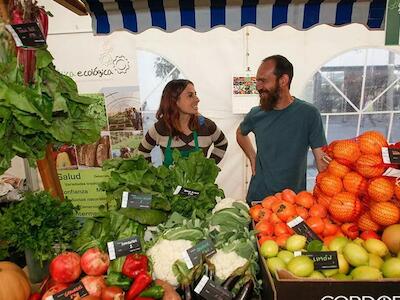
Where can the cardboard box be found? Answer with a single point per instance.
(287, 287)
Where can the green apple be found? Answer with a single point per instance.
(343, 264)
(296, 242)
(330, 273)
(391, 268)
(355, 255)
(301, 266)
(285, 255)
(316, 275)
(340, 276)
(337, 244)
(377, 247)
(366, 273)
(269, 249)
(375, 261)
(274, 264)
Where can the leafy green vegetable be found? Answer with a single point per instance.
(145, 216)
(38, 223)
(49, 111)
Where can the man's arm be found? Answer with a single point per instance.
(321, 159)
(245, 143)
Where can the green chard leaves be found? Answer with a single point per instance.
(46, 112)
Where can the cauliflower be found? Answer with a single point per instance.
(226, 263)
(163, 255)
(226, 203)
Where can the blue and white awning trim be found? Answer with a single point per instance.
(204, 15)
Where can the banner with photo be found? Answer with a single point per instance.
(244, 93)
(107, 72)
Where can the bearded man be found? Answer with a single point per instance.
(285, 128)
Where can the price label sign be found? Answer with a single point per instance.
(186, 192)
(27, 35)
(391, 155)
(135, 200)
(323, 260)
(124, 247)
(209, 290)
(70, 293)
(300, 227)
(192, 256)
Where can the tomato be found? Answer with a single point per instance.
(350, 230)
(95, 262)
(94, 284)
(330, 228)
(267, 202)
(281, 228)
(316, 224)
(66, 267)
(255, 212)
(284, 210)
(302, 212)
(305, 199)
(264, 227)
(274, 218)
(289, 196)
(112, 293)
(281, 240)
(369, 235)
(318, 210)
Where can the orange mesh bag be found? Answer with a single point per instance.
(330, 185)
(337, 169)
(355, 183)
(371, 142)
(397, 190)
(324, 200)
(381, 189)
(346, 152)
(345, 207)
(370, 165)
(365, 223)
(384, 213)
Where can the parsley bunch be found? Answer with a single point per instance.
(39, 223)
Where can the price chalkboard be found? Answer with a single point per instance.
(124, 247)
(71, 293)
(27, 35)
(300, 227)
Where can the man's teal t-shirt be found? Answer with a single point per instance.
(283, 138)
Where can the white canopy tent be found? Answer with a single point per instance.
(210, 59)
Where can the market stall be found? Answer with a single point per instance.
(174, 225)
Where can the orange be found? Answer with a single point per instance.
(381, 189)
(346, 152)
(370, 165)
(371, 142)
(384, 213)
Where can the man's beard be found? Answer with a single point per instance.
(269, 99)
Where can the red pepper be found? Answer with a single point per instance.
(35, 296)
(143, 298)
(142, 281)
(134, 265)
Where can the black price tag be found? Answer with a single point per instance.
(135, 200)
(209, 290)
(301, 227)
(27, 35)
(193, 255)
(391, 155)
(124, 247)
(71, 292)
(323, 260)
(186, 192)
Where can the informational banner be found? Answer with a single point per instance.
(103, 68)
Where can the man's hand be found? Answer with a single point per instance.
(321, 158)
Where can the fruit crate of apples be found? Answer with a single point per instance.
(341, 240)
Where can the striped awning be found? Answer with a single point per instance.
(204, 15)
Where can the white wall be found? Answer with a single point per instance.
(209, 60)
